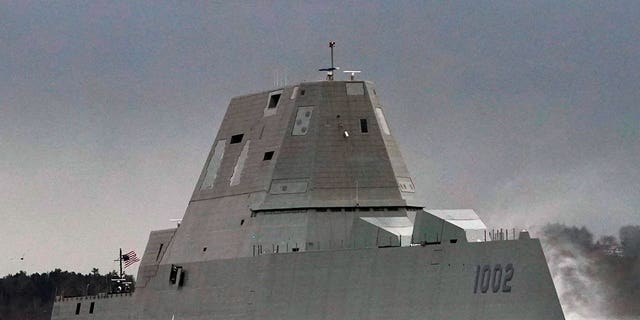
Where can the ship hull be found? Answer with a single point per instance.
(485, 280)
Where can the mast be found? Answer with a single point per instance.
(331, 69)
(331, 45)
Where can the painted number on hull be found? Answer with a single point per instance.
(496, 278)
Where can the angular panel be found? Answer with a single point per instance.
(214, 165)
(237, 170)
(355, 88)
(303, 118)
(382, 121)
(288, 186)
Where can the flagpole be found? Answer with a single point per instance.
(120, 258)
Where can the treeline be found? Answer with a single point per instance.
(30, 297)
(600, 276)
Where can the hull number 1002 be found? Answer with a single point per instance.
(496, 278)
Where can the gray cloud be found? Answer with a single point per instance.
(525, 112)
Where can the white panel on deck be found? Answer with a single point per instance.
(303, 118)
(456, 214)
(237, 170)
(214, 165)
(294, 93)
(465, 219)
(382, 121)
(400, 226)
(355, 88)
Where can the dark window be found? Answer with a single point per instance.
(302, 92)
(363, 126)
(91, 307)
(204, 249)
(78, 308)
(242, 222)
(236, 138)
(273, 100)
(268, 156)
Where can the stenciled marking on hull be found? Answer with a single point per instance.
(487, 277)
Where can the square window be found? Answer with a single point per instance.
(236, 138)
(268, 156)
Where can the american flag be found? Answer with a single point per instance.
(130, 258)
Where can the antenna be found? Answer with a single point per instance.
(353, 73)
(333, 68)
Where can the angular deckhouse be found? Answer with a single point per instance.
(305, 209)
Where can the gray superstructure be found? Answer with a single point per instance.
(305, 210)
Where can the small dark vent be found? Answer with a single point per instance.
(204, 249)
(302, 92)
(273, 100)
(268, 156)
(236, 138)
(242, 222)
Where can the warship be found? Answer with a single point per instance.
(305, 209)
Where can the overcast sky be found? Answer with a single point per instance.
(527, 112)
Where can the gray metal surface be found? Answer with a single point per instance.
(305, 210)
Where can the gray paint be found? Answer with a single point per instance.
(431, 282)
(327, 229)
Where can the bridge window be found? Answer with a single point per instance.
(273, 100)
(236, 138)
(78, 308)
(363, 126)
(91, 307)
